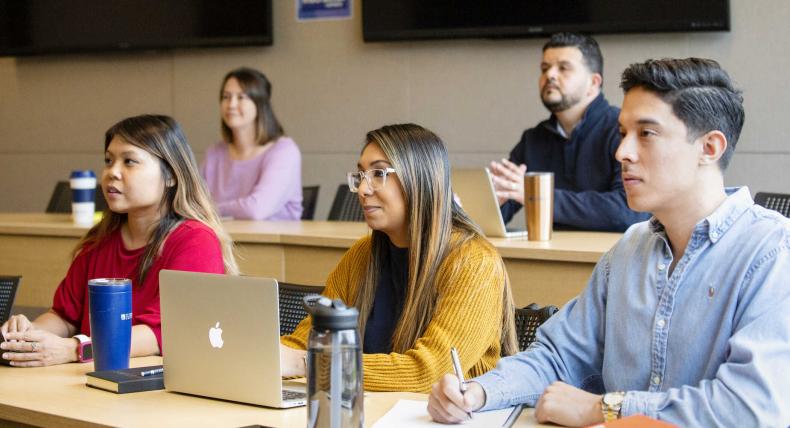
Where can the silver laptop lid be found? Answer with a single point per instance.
(476, 190)
(220, 336)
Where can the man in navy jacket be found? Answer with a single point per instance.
(577, 143)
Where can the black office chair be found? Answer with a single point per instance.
(346, 206)
(8, 287)
(309, 198)
(774, 201)
(528, 319)
(60, 201)
(291, 310)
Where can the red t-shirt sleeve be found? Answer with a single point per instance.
(71, 295)
(193, 247)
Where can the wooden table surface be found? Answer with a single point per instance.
(58, 397)
(38, 247)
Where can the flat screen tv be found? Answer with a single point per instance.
(387, 20)
(34, 27)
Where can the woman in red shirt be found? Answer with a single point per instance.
(159, 216)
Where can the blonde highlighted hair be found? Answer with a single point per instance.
(185, 196)
(420, 159)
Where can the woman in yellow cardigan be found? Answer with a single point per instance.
(425, 280)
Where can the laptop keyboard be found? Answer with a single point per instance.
(293, 395)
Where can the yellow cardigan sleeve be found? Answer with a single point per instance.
(338, 286)
(468, 315)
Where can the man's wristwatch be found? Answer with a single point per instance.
(84, 348)
(611, 404)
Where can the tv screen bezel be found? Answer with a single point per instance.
(120, 46)
(528, 31)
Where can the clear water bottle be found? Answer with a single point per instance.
(334, 365)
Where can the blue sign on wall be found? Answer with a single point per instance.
(308, 10)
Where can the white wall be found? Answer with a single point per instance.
(330, 88)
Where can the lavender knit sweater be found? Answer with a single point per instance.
(267, 187)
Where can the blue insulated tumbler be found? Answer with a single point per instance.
(83, 197)
(111, 322)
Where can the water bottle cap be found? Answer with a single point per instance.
(330, 314)
(82, 174)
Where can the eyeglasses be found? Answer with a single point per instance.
(376, 178)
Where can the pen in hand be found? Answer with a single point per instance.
(459, 373)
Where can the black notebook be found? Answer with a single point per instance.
(128, 380)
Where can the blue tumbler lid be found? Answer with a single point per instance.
(109, 285)
(83, 173)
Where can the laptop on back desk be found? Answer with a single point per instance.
(475, 188)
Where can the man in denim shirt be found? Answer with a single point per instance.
(686, 319)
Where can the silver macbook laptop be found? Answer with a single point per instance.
(476, 190)
(221, 338)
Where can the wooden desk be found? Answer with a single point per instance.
(38, 247)
(57, 397)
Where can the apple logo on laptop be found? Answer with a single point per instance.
(215, 336)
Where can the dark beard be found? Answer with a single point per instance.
(563, 104)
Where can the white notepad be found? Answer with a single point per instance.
(414, 414)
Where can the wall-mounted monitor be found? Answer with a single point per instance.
(35, 27)
(388, 20)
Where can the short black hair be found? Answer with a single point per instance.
(591, 53)
(700, 93)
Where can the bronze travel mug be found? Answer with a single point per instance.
(539, 205)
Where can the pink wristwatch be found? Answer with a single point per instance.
(84, 349)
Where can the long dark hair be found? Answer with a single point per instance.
(185, 195)
(256, 86)
(421, 161)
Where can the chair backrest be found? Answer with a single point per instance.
(346, 206)
(291, 310)
(774, 201)
(309, 198)
(8, 287)
(60, 201)
(528, 319)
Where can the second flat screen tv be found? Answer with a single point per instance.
(387, 20)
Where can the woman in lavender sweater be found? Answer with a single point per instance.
(256, 171)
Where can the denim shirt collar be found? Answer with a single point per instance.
(714, 226)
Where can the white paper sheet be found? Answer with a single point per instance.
(414, 414)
